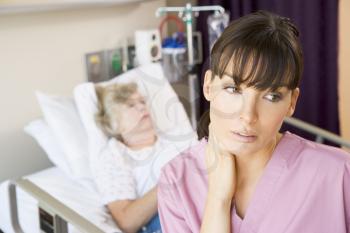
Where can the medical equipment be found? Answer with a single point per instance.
(174, 63)
(174, 60)
(216, 25)
(148, 46)
(106, 64)
(187, 14)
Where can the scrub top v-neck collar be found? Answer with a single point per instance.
(259, 203)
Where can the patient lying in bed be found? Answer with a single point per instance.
(127, 169)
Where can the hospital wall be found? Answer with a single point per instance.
(344, 67)
(45, 51)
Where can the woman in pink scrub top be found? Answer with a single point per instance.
(246, 176)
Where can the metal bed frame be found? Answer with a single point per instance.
(54, 216)
(321, 134)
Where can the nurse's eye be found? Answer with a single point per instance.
(232, 89)
(273, 97)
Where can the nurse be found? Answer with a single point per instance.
(246, 176)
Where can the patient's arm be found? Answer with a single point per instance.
(131, 215)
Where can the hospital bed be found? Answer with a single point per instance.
(52, 201)
(63, 198)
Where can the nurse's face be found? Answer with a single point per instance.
(244, 119)
(133, 116)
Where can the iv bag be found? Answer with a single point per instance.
(216, 24)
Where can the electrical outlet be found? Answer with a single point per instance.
(115, 62)
(97, 66)
(106, 64)
(131, 57)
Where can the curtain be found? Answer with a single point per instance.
(317, 21)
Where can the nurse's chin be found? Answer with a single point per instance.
(240, 149)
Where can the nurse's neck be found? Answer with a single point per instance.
(250, 167)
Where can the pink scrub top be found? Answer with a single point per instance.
(305, 188)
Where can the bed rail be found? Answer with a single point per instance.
(320, 134)
(54, 215)
(13, 208)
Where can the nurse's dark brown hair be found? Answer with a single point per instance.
(264, 51)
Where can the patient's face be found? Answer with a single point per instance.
(133, 116)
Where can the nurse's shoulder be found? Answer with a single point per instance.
(326, 156)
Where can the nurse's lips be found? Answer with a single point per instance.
(244, 137)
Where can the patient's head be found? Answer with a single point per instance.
(123, 114)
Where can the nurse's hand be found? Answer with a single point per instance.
(221, 170)
(221, 186)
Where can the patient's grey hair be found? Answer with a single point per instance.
(108, 97)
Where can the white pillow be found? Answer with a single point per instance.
(86, 100)
(168, 113)
(63, 119)
(43, 135)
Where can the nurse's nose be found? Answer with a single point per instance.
(248, 113)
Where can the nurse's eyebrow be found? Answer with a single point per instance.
(229, 79)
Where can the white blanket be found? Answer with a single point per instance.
(70, 193)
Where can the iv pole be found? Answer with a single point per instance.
(187, 12)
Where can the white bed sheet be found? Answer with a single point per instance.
(82, 200)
